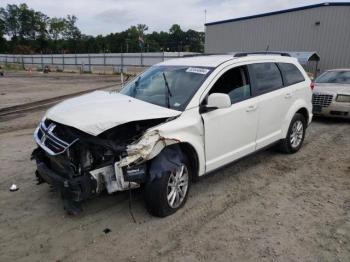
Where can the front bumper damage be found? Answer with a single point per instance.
(125, 173)
(76, 189)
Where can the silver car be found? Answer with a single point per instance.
(331, 94)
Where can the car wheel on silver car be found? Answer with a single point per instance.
(295, 136)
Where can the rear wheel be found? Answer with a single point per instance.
(165, 195)
(295, 135)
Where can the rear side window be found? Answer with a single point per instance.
(291, 74)
(266, 77)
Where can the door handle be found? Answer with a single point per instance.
(288, 96)
(252, 108)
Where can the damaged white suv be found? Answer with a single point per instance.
(175, 122)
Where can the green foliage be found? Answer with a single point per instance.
(24, 30)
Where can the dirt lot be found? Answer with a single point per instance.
(23, 87)
(268, 207)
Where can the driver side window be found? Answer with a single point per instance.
(235, 83)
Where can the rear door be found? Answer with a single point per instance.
(274, 101)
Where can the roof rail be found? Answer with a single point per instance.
(242, 54)
(204, 54)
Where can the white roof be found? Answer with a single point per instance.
(207, 61)
(216, 60)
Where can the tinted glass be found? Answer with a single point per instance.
(167, 86)
(334, 77)
(267, 77)
(291, 74)
(234, 83)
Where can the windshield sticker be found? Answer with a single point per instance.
(196, 70)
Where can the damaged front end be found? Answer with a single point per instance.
(80, 165)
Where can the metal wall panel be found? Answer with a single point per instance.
(293, 31)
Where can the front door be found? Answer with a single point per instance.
(230, 132)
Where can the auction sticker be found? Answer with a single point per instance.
(197, 70)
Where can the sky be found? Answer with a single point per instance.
(108, 16)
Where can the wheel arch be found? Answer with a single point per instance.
(300, 106)
(192, 157)
(303, 111)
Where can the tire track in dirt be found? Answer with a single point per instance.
(223, 210)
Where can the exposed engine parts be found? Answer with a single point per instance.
(81, 165)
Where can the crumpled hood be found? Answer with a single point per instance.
(332, 88)
(99, 111)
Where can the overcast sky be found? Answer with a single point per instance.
(106, 16)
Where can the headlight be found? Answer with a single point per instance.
(343, 98)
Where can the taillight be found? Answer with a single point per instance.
(312, 85)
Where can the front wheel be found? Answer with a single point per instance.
(166, 194)
(295, 135)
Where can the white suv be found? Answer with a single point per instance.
(175, 122)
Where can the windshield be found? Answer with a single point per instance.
(167, 86)
(334, 77)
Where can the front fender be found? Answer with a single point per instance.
(188, 128)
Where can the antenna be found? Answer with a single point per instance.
(267, 48)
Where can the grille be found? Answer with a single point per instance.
(48, 135)
(322, 100)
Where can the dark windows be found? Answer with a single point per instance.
(235, 83)
(266, 77)
(291, 74)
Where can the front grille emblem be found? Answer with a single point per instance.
(49, 131)
(49, 141)
(51, 128)
(43, 139)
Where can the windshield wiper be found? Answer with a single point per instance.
(136, 84)
(168, 92)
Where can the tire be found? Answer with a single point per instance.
(295, 137)
(158, 191)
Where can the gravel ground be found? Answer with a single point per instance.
(22, 87)
(266, 207)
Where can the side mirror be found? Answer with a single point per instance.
(216, 101)
(219, 100)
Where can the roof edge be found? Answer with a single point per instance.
(279, 12)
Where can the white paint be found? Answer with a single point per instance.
(218, 137)
(99, 111)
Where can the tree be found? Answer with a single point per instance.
(194, 41)
(2, 22)
(141, 29)
(11, 16)
(24, 30)
(72, 33)
(71, 30)
(57, 28)
(176, 37)
(3, 41)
